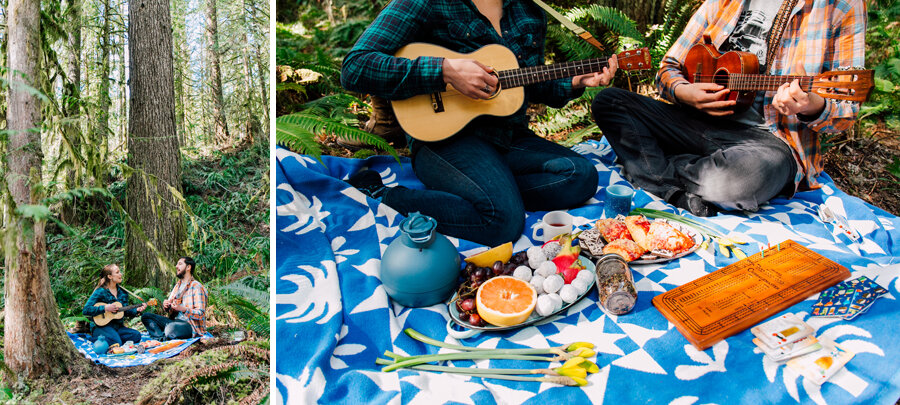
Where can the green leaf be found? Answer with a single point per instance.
(884, 85)
(894, 168)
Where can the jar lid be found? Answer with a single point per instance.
(419, 227)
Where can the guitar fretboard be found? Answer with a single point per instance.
(534, 74)
(757, 82)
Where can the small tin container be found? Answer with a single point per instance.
(615, 284)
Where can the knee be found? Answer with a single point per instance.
(584, 180)
(606, 98)
(504, 224)
(746, 182)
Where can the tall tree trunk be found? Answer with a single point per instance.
(251, 126)
(152, 149)
(181, 65)
(262, 65)
(215, 73)
(123, 79)
(71, 106)
(101, 130)
(35, 343)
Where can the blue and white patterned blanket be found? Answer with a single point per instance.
(333, 318)
(86, 347)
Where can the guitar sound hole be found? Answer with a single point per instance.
(721, 78)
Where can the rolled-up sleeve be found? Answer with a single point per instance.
(669, 75)
(89, 309)
(370, 66)
(849, 50)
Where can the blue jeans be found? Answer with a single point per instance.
(162, 328)
(116, 333)
(479, 191)
(666, 148)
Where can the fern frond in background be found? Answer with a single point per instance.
(325, 116)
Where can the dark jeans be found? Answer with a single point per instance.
(666, 148)
(479, 192)
(162, 328)
(116, 333)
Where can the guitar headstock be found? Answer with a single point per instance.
(634, 59)
(845, 84)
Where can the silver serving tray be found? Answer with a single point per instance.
(534, 318)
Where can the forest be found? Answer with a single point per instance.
(134, 133)
(313, 111)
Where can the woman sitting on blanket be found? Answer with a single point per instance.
(108, 292)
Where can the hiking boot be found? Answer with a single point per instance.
(369, 182)
(694, 204)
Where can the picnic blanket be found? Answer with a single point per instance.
(333, 317)
(84, 345)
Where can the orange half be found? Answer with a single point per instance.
(505, 301)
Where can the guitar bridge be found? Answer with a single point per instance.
(437, 103)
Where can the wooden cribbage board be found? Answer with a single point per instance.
(738, 296)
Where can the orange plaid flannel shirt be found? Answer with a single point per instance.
(195, 299)
(821, 35)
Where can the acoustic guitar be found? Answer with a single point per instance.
(739, 72)
(107, 317)
(437, 116)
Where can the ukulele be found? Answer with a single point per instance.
(739, 72)
(437, 116)
(106, 317)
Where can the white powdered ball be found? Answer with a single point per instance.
(538, 283)
(551, 249)
(546, 269)
(544, 305)
(581, 285)
(557, 301)
(568, 293)
(553, 283)
(522, 273)
(535, 256)
(585, 275)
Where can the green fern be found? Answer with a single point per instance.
(298, 132)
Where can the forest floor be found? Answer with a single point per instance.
(111, 386)
(859, 165)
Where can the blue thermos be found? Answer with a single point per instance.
(420, 267)
(101, 345)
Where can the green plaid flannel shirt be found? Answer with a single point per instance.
(457, 25)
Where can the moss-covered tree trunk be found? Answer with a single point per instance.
(34, 341)
(71, 106)
(215, 73)
(156, 238)
(101, 127)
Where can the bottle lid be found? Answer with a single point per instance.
(419, 227)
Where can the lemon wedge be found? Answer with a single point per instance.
(487, 258)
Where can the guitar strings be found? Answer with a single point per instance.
(533, 74)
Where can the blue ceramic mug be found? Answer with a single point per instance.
(618, 200)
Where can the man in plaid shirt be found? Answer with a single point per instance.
(480, 181)
(698, 155)
(188, 299)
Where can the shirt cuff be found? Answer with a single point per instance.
(432, 71)
(672, 97)
(812, 121)
(569, 90)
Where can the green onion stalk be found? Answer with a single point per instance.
(711, 236)
(573, 371)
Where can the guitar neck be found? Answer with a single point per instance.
(759, 82)
(535, 74)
